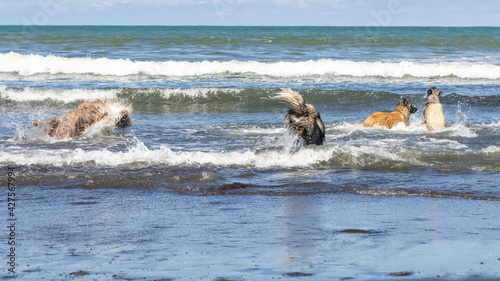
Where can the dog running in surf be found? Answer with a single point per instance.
(389, 120)
(83, 116)
(433, 115)
(302, 119)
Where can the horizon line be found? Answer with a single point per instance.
(209, 25)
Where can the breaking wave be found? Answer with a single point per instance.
(26, 65)
(216, 95)
(386, 155)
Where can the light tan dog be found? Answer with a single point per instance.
(302, 118)
(433, 116)
(82, 117)
(389, 120)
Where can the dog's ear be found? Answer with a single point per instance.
(430, 91)
(318, 116)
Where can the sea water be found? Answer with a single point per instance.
(204, 115)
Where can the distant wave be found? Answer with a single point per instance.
(76, 95)
(57, 95)
(26, 65)
(211, 95)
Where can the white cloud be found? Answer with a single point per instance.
(12, 5)
(311, 3)
(101, 5)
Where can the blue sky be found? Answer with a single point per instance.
(252, 12)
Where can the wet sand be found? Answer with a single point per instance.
(134, 234)
(150, 202)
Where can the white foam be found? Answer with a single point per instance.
(359, 151)
(60, 95)
(491, 149)
(494, 125)
(26, 65)
(352, 153)
(140, 153)
(258, 131)
(195, 92)
(347, 154)
(72, 95)
(458, 129)
(441, 144)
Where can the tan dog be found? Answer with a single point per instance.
(389, 120)
(85, 115)
(433, 116)
(302, 118)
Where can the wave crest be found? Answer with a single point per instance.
(26, 65)
(333, 156)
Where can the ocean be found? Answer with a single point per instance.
(144, 202)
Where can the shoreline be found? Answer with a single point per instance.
(239, 237)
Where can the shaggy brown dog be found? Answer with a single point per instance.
(302, 118)
(433, 116)
(85, 115)
(389, 120)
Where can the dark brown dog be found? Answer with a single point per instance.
(302, 118)
(389, 120)
(82, 117)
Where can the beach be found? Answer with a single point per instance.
(208, 184)
(132, 234)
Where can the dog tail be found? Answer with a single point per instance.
(294, 99)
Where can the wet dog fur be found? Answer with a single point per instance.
(389, 120)
(433, 114)
(82, 117)
(302, 119)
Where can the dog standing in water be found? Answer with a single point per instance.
(433, 116)
(302, 119)
(82, 117)
(389, 120)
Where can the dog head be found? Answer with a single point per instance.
(406, 105)
(434, 91)
(124, 120)
(433, 95)
(48, 126)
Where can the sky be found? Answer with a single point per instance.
(252, 12)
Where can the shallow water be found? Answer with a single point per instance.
(126, 201)
(213, 136)
(132, 234)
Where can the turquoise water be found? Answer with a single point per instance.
(158, 43)
(204, 115)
